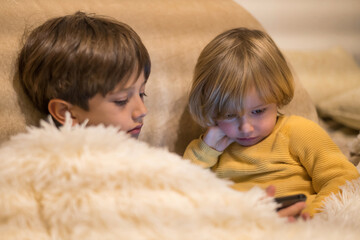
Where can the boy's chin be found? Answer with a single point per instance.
(136, 136)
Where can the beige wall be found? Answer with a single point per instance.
(310, 24)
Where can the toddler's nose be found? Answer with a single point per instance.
(245, 126)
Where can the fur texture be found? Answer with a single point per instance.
(355, 150)
(96, 183)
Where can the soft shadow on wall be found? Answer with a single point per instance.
(310, 24)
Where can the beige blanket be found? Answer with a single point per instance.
(96, 183)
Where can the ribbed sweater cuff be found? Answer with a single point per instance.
(209, 152)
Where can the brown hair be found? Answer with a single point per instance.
(74, 57)
(229, 66)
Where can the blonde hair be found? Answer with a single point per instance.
(229, 66)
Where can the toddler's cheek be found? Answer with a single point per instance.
(228, 128)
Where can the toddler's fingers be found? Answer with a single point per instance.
(270, 191)
(293, 210)
(305, 216)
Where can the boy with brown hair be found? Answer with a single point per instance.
(93, 67)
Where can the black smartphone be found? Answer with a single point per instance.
(289, 200)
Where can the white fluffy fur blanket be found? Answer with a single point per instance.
(96, 183)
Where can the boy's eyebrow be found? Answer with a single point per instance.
(115, 91)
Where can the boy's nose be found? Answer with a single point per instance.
(140, 110)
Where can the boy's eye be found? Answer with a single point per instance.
(121, 102)
(142, 95)
(258, 111)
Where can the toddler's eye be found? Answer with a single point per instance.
(230, 116)
(258, 111)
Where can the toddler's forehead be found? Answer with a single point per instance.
(239, 104)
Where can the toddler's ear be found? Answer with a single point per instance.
(58, 108)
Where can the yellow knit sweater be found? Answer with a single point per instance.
(297, 157)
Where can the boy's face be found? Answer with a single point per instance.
(255, 124)
(123, 107)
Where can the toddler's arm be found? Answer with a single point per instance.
(206, 150)
(323, 160)
(216, 139)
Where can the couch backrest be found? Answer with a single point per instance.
(174, 31)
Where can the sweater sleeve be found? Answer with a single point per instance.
(201, 154)
(324, 162)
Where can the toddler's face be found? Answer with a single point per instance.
(123, 107)
(255, 124)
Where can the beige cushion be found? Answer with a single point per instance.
(355, 151)
(344, 108)
(174, 31)
(332, 79)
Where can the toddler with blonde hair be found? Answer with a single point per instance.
(240, 83)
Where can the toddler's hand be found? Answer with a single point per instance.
(291, 212)
(294, 211)
(215, 138)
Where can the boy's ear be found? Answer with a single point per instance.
(57, 108)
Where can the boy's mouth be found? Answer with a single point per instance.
(135, 131)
